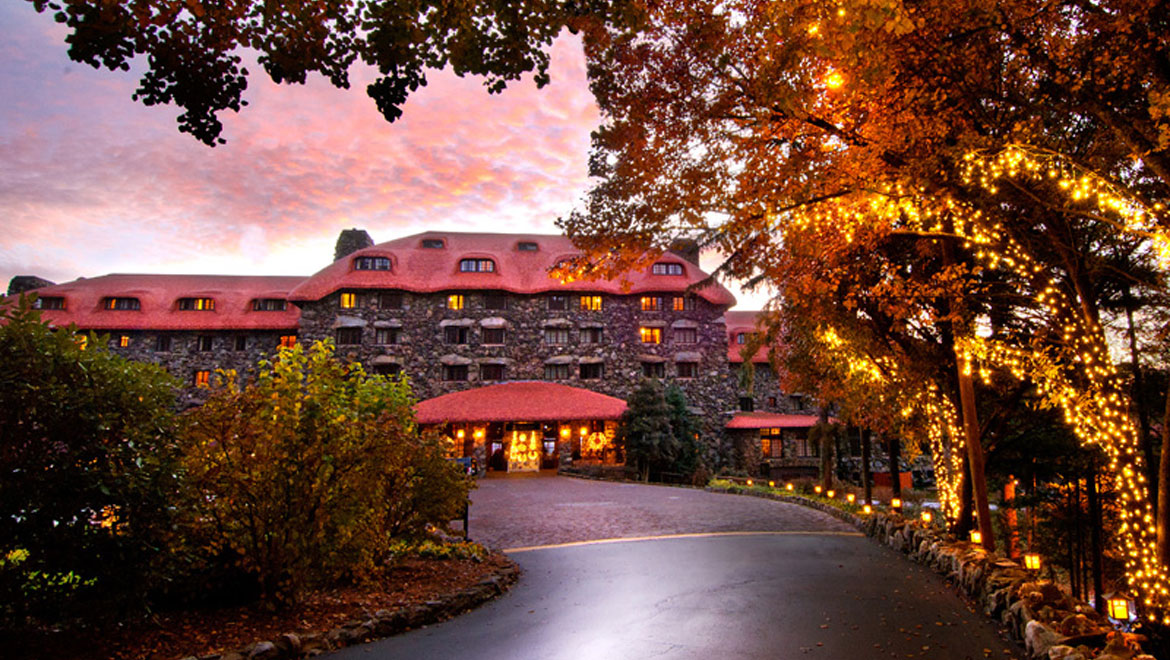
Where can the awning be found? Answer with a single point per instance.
(766, 420)
(527, 401)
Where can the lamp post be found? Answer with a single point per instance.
(896, 504)
(976, 537)
(1118, 606)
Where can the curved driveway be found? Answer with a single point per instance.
(751, 578)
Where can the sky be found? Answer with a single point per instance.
(92, 182)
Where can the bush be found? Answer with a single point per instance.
(308, 474)
(87, 467)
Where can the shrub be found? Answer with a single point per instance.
(307, 474)
(87, 467)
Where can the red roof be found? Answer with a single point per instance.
(766, 420)
(426, 270)
(158, 297)
(745, 322)
(524, 401)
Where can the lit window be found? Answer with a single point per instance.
(349, 336)
(493, 335)
(121, 303)
(590, 303)
(82, 341)
(203, 344)
(688, 369)
(556, 372)
(683, 304)
(288, 341)
(241, 342)
(495, 301)
(162, 343)
(491, 372)
(390, 300)
(686, 335)
(124, 341)
(654, 369)
(371, 263)
(651, 303)
(556, 336)
(527, 246)
(477, 266)
(454, 372)
(592, 371)
(455, 301)
(349, 300)
(766, 447)
(558, 303)
(432, 243)
(664, 268)
(650, 335)
(203, 378)
(386, 336)
(49, 302)
(196, 304)
(269, 305)
(453, 334)
(591, 335)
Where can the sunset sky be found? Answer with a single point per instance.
(92, 182)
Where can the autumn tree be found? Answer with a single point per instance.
(195, 50)
(747, 124)
(308, 474)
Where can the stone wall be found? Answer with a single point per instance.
(422, 349)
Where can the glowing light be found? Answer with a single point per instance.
(896, 504)
(830, 494)
(1118, 605)
(976, 537)
(1032, 561)
(771, 484)
(867, 509)
(788, 486)
(850, 498)
(927, 517)
(817, 490)
(834, 80)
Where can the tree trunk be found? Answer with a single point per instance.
(975, 454)
(1163, 517)
(1136, 395)
(866, 478)
(1095, 524)
(1012, 518)
(894, 446)
(826, 442)
(966, 520)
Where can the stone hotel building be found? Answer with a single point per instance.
(523, 371)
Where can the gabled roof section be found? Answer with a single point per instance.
(525, 271)
(745, 322)
(521, 401)
(158, 295)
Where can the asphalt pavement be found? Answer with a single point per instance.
(794, 593)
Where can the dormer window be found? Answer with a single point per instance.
(371, 263)
(269, 305)
(527, 246)
(433, 243)
(121, 304)
(666, 268)
(196, 304)
(477, 266)
(741, 337)
(49, 302)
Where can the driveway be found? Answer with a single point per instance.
(527, 510)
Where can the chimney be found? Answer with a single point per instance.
(21, 283)
(350, 241)
(687, 248)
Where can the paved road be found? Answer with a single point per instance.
(814, 590)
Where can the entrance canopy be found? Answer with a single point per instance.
(530, 401)
(766, 420)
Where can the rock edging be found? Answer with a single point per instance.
(1051, 624)
(379, 624)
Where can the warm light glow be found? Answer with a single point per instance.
(348, 300)
(565, 432)
(1118, 607)
(124, 341)
(788, 486)
(771, 484)
(459, 434)
(584, 430)
(749, 482)
(455, 301)
(834, 80)
(817, 490)
(867, 509)
(650, 335)
(478, 433)
(831, 493)
(927, 516)
(1032, 561)
(896, 503)
(976, 536)
(851, 498)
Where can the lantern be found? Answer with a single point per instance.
(788, 486)
(749, 482)
(565, 432)
(459, 434)
(867, 509)
(478, 433)
(584, 431)
(927, 517)
(976, 537)
(817, 490)
(1032, 561)
(851, 498)
(831, 493)
(896, 504)
(1117, 604)
(771, 484)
